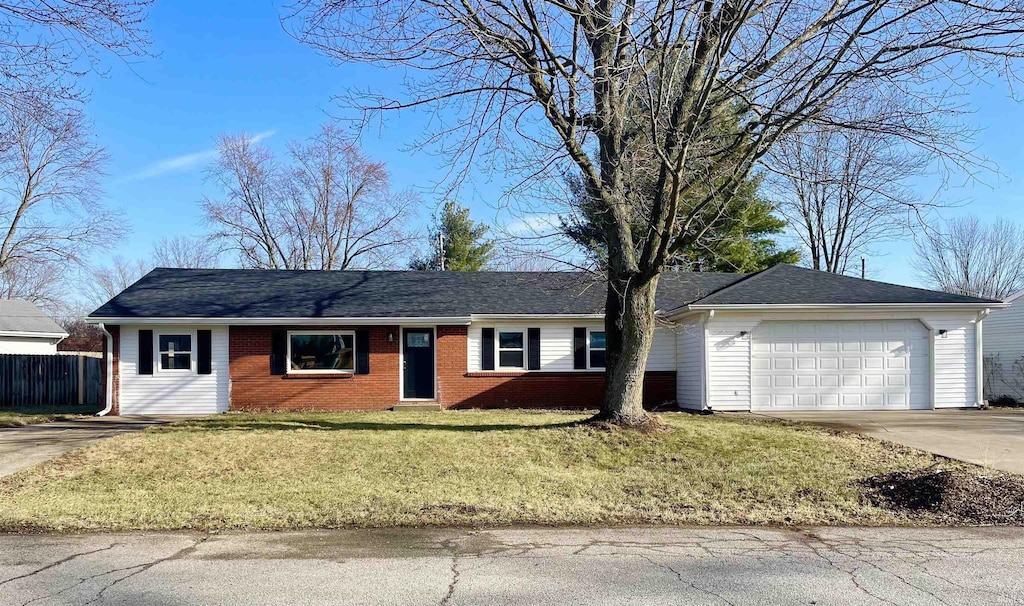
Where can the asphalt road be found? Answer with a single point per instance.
(536, 566)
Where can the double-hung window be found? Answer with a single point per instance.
(175, 351)
(510, 350)
(596, 348)
(321, 352)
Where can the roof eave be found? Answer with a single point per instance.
(292, 321)
(687, 309)
(33, 334)
(566, 316)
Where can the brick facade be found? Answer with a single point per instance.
(253, 388)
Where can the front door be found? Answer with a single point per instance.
(418, 363)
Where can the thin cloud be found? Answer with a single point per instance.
(185, 162)
(534, 225)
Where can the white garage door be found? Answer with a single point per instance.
(866, 365)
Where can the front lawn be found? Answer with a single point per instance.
(456, 468)
(19, 419)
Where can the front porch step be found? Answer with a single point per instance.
(416, 407)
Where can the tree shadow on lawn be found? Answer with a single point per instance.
(293, 425)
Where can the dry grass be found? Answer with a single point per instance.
(18, 419)
(459, 468)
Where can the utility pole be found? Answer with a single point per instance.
(863, 269)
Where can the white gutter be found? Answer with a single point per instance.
(108, 396)
(305, 321)
(40, 335)
(687, 309)
(483, 317)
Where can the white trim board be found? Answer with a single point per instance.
(229, 321)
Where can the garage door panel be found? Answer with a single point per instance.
(866, 365)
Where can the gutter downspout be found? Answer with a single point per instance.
(108, 395)
(705, 404)
(979, 363)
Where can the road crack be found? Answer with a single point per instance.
(692, 584)
(455, 573)
(136, 570)
(59, 562)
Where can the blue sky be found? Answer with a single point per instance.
(228, 67)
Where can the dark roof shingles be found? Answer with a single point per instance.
(246, 293)
(791, 285)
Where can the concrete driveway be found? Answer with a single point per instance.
(993, 438)
(22, 447)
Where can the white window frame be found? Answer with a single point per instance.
(605, 349)
(319, 371)
(158, 361)
(498, 348)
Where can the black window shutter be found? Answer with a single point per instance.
(278, 351)
(579, 347)
(533, 344)
(362, 352)
(205, 342)
(145, 352)
(487, 349)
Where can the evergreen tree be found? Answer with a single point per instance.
(465, 248)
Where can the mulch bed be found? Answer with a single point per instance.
(950, 496)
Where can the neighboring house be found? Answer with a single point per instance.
(1004, 350)
(787, 338)
(25, 329)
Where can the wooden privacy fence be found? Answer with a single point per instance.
(55, 383)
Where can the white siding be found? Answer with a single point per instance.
(556, 344)
(729, 361)
(1004, 344)
(955, 361)
(954, 354)
(173, 393)
(690, 359)
(28, 346)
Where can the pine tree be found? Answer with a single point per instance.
(465, 248)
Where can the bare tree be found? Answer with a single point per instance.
(330, 208)
(37, 282)
(185, 252)
(107, 281)
(50, 209)
(546, 84)
(352, 217)
(843, 190)
(47, 46)
(970, 258)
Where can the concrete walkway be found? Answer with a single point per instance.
(993, 438)
(649, 566)
(22, 447)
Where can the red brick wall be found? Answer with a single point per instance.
(254, 388)
(459, 389)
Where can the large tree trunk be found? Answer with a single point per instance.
(629, 331)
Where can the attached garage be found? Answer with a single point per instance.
(832, 365)
(795, 339)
